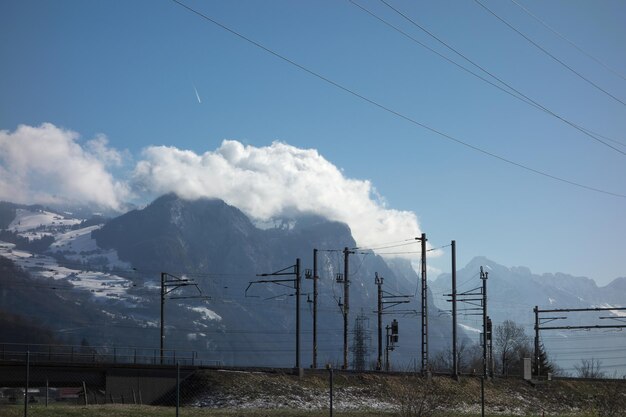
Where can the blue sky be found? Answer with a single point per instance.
(128, 70)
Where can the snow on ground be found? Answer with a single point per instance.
(27, 220)
(101, 284)
(75, 240)
(345, 399)
(78, 245)
(75, 245)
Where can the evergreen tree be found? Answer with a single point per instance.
(545, 366)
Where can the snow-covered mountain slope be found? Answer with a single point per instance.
(29, 220)
(73, 257)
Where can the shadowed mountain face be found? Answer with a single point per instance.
(192, 236)
(219, 246)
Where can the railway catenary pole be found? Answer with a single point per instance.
(379, 283)
(162, 323)
(298, 282)
(315, 278)
(455, 360)
(346, 304)
(536, 311)
(484, 276)
(424, 296)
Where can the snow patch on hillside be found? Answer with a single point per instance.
(27, 220)
(78, 245)
(102, 285)
(206, 313)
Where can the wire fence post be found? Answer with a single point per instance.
(27, 383)
(177, 388)
(482, 396)
(330, 373)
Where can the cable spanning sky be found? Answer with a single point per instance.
(530, 169)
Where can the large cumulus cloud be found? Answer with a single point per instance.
(48, 165)
(273, 181)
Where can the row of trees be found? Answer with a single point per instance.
(511, 345)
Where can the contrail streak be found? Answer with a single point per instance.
(197, 95)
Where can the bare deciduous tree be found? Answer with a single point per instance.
(589, 368)
(510, 342)
(418, 401)
(469, 358)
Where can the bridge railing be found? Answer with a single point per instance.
(45, 353)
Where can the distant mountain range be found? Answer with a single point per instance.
(514, 292)
(97, 279)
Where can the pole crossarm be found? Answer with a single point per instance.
(539, 321)
(597, 326)
(169, 284)
(280, 272)
(390, 304)
(295, 281)
(269, 281)
(544, 320)
(622, 319)
(565, 310)
(390, 300)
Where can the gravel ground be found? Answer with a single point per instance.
(401, 394)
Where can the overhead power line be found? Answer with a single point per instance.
(560, 35)
(545, 51)
(512, 91)
(394, 112)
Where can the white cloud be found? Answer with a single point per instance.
(48, 165)
(273, 181)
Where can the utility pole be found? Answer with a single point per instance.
(162, 323)
(536, 311)
(483, 277)
(455, 361)
(379, 283)
(387, 300)
(173, 283)
(315, 278)
(424, 295)
(295, 271)
(346, 304)
(476, 298)
(490, 341)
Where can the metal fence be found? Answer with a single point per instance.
(40, 353)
